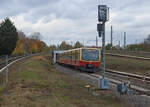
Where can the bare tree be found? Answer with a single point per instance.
(35, 36)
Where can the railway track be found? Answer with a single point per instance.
(138, 82)
(128, 56)
(138, 77)
(14, 59)
(135, 97)
(137, 85)
(133, 87)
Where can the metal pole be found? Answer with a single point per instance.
(124, 40)
(83, 43)
(103, 52)
(119, 44)
(102, 18)
(96, 41)
(111, 37)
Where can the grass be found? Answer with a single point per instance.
(128, 65)
(36, 83)
(138, 54)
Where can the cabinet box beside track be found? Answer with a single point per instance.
(85, 59)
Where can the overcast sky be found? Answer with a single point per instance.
(73, 20)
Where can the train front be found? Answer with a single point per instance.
(90, 59)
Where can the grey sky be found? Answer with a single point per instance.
(73, 20)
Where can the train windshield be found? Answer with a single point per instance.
(90, 54)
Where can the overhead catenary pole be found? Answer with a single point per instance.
(96, 41)
(124, 40)
(111, 37)
(83, 43)
(119, 43)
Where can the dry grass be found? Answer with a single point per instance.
(128, 65)
(138, 54)
(35, 83)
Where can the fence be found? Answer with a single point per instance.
(6, 62)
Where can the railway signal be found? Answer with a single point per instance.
(103, 12)
(103, 17)
(100, 29)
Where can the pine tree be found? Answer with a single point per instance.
(8, 37)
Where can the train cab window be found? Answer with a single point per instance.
(90, 54)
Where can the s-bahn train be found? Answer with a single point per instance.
(85, 59)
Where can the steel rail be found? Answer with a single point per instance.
(18, 59)
(140, 77)
(128, 56)
(133, 87)
(3, 63)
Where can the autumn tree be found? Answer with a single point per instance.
(35, 36)
(65, 46)
(108, 46)
(52, 47)
(8, 37)
(78, 45)
(27, 45)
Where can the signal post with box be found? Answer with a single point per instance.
(103, 17)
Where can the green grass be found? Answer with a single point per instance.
(128, 65)
(39, 84)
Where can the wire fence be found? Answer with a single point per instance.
(3, 79)
(6, 61)
(3, 72)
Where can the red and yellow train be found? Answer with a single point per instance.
(85, 59)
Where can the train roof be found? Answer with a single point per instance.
(58, 51)
(80, 48)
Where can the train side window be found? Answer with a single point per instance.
(70, 55)
(66, 55)
(73, 55)
(76, 55)
(63, 55)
